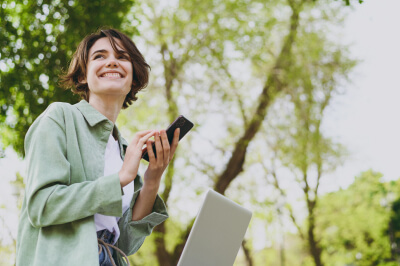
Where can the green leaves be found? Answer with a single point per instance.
(354, 222)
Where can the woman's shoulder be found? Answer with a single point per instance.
(55, 112)
(50, 121)
(59, 110)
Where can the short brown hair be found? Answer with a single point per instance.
(78, 66)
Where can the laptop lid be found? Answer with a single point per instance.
(217, 232)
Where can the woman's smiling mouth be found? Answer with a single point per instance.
(111, 75)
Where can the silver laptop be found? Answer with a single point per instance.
(217, 232)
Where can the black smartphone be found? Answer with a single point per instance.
(181, 122)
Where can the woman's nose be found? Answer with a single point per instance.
(112, 62)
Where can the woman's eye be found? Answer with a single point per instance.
(122, 57)
(98, 56)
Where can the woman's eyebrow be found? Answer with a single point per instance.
(99, 51)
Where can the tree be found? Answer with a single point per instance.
(198, 44)
(353, 222)
(394, 231)
(300, 145)
(179, 41)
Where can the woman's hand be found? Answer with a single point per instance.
(133, 155)
(134, 152)
(151, 181)
(158, 164)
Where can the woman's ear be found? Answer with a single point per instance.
(82, 80)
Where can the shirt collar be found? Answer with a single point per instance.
(122, 141)
(93, 117)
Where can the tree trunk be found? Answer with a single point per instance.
(247, 254)
(315, 250)
(282, 254)
(163, 257)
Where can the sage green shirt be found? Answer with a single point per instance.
(65, 187)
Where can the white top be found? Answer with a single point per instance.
(112, 164)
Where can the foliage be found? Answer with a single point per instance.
(230, 60)
(394, 230)
(37, 40)
(299, 151)
(348, 2)
(192, 42)
(353, 223)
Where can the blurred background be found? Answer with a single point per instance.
(295, 105)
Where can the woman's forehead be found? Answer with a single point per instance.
(105, 44)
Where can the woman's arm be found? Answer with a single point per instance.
(151, 183)
(51, 197)
(133, 233)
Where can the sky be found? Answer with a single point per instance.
(364, 119)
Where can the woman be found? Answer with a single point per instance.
(85, 203)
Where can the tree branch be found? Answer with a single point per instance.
(273, 85)
(284, 195)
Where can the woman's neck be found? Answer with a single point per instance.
(107, 106)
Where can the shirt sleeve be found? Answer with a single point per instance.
(51, 198)
(133, 233)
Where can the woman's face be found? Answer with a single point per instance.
(108, 73)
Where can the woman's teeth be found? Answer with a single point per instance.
(112, 75)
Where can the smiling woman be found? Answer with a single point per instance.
(85, 203)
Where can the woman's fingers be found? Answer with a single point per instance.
(144, 139)
(159, 149)
(147, 145)
(152, 158)
(130, 165)
(174, 143)
(165, 146)
(140, 134)
(150, 152)
(164, 151)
